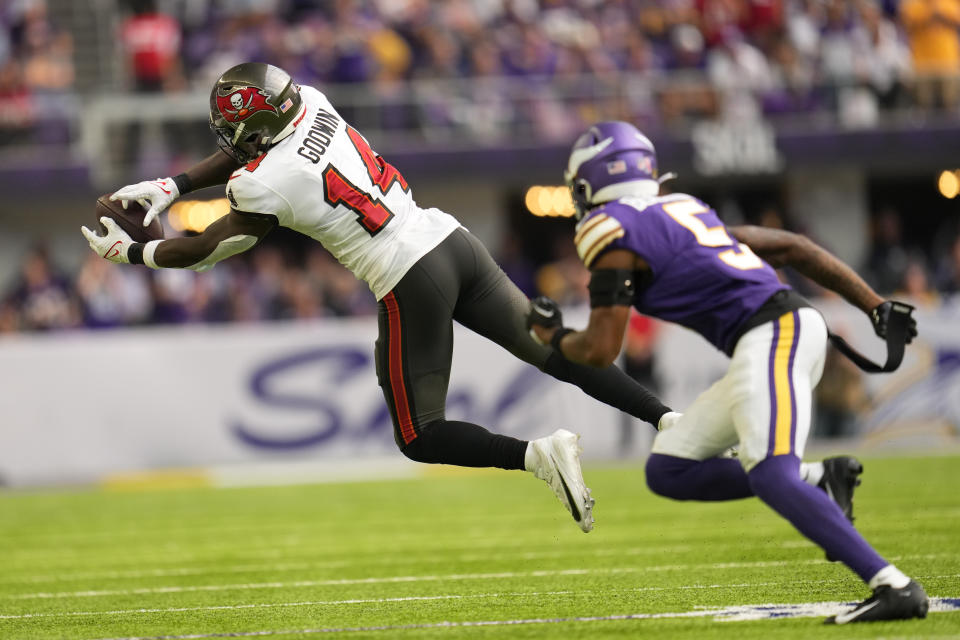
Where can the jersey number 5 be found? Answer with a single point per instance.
(739, 257)
(372, 213)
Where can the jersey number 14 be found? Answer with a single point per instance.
(372, 213)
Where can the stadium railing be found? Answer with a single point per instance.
(489, 112)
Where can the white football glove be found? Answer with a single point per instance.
(113, 246)
(669, 419)
(153, 195)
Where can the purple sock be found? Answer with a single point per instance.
(777, 482)
(708, 480)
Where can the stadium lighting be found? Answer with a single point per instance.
(551, 201)
(197, 215)
(949, 184)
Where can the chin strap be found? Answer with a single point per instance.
(669, 175)
(897, 334)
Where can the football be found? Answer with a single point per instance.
(129, 219)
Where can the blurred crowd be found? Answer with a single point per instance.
(262, 285)
(724, 57)
(36, 73)
(289, 277)
(546, 66)
(557, 63)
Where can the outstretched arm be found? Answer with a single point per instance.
(783, 248)
(599, 344)
(611, 293)
(232, 234)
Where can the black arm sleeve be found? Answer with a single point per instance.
(609, 287)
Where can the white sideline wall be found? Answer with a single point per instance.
(281, 401)
(79, 406)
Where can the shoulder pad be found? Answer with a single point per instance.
(595, 234)
(642, 204)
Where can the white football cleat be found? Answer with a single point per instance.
(557, 462)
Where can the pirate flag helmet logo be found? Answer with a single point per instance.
(243, 103)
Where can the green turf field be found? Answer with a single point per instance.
(437, 556)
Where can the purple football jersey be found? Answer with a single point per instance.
(702, 279)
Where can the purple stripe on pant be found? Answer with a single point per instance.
(793, 395)
(772, 381)
(775, 407)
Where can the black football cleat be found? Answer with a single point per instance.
(887, 603)
(840, 476)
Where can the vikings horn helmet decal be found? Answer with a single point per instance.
(611, 160)
(252, 107)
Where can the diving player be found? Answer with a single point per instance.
(289, 159)
(670, 257)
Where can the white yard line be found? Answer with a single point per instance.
(366, 559)
(338, 564)
(388, 580)
(317, 583)
(268, 605)
(310, 603)
(271, 605)
(46, 595)
(721, 614)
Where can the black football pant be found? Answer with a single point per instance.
(458, 280)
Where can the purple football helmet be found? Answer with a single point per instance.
(611, 160)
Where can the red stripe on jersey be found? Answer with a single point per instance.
(395, 360)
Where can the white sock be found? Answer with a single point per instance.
(891, 576)
(530, 458)
(811, 472)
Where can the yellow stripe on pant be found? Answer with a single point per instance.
(783, 389)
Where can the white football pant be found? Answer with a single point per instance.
(762, 404)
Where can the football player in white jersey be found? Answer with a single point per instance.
(289, 159)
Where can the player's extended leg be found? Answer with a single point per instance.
(684, 465)
(494, 307)
(413, 356)
(787, 358)
(772, 417)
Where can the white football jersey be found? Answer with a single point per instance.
(324, 181)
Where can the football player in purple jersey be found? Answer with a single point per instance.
(672, 258)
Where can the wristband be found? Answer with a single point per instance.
(183, 182)
(148, 250)
(558, 336)
(135, 253)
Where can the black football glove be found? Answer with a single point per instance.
(880, 317)
(544, 312)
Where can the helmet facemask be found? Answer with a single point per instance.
(580, 193)
(244, 150)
